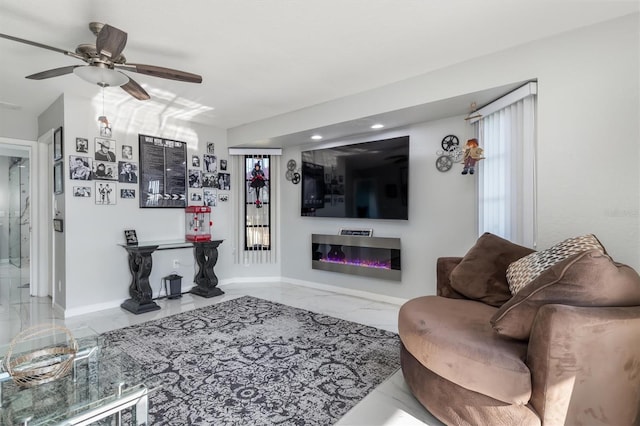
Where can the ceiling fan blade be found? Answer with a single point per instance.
(56, 72)
(135, 90)
(111, 41)
(40, 45)
(162, 72)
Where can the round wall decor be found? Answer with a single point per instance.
(449, 142)
(444, 163)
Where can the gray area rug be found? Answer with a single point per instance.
(254, 362)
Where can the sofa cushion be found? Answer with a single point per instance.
(525, 270)
(590, 278)
(482, 273)
(453, 338)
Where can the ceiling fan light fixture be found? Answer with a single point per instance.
(103, 77)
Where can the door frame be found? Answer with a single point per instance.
(41, 224)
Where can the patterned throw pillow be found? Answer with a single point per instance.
(521, 272)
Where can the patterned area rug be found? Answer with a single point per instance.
(254, 362)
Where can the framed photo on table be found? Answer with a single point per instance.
(57, 144)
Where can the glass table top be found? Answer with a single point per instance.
(100, 376)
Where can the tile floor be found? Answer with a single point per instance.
(390, 404)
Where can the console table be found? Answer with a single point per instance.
(140, 263)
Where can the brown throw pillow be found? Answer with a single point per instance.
(482, 273)
(590, 278)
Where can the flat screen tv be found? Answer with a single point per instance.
(363, 180)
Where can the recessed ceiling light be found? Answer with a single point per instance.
(316, 137)
(377, 126)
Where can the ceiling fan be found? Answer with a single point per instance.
(105, 60)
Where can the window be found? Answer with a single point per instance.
(257, 203)
(506, 178)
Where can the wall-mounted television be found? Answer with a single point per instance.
(363, 180)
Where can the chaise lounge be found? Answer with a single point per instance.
(564, 349)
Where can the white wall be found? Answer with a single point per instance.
(15, 124)
(588, 147)
(588, 115)
(97, 275)
(52, 118)
(441, 217)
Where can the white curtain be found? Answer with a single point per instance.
(507, 178)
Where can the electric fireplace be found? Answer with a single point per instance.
(373, 257)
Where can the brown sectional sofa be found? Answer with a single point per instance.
(564, 350)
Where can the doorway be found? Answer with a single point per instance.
(15, 223)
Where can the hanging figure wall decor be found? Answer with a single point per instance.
(257, 182)
(472, 153)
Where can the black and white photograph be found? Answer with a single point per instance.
(128, 172)
(105, 131)
(127, 193)
(208, 180)
(105, 193)
(211, 148)
(79, 167)
(58, 177)
(195, 178)
(210, 163)
(130, 237)
(82, 191)
(127, 152)
(223, 198)
(58, 144)
(103, 170)
(210, 198)
(223, 165)
(105, 150)
(195, 161)
(196, 196)
(224, 181)
(82, 145)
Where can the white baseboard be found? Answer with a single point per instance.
(82, 310)
(58, 310)
(348, 291)
(310, 284)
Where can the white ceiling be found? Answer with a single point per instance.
(262, 58)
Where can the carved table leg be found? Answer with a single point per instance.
(140, 264)
(206, 255)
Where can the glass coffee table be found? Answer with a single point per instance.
(103, 382)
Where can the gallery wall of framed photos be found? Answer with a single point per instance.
(166, 175)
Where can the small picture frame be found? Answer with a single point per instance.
(82, 145)
(127, 193)
(130, 237)
(58, 178)
(58, 225)
(195, 161)
(357, 232)
(223, 165)
(82, 191)
(127, 152)
(106, 193)
(57, 144)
